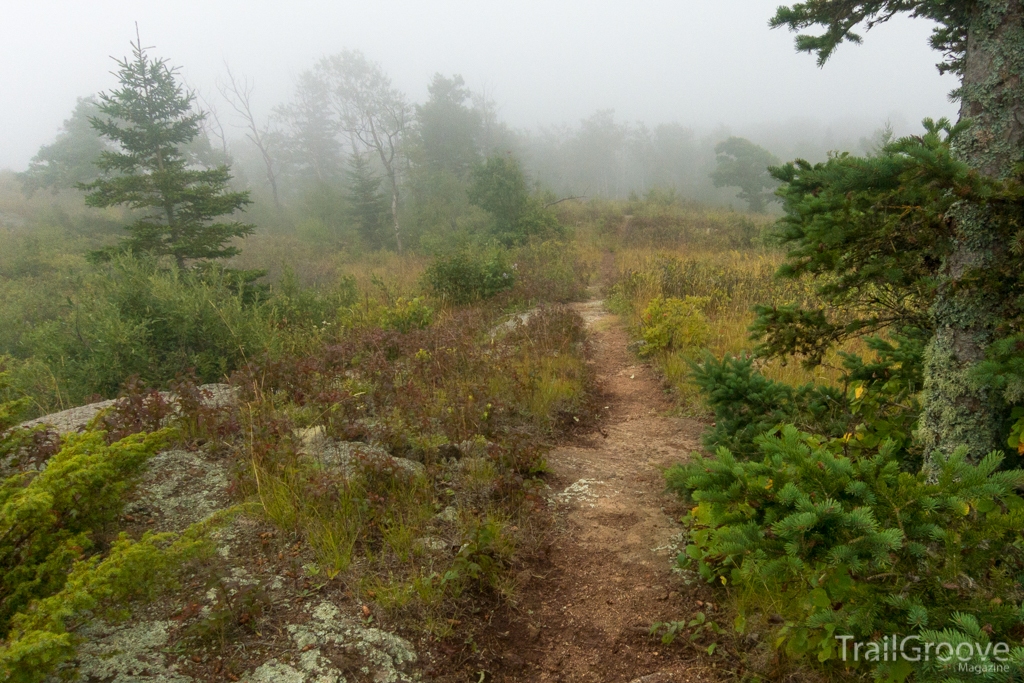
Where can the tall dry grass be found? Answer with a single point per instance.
(733, 282)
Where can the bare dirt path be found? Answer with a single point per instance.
(586, 612)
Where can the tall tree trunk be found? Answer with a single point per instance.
(394, 209)
(957, 410)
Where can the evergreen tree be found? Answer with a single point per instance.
(983, 42)
(447, 130)
(743, 164)
(367, 206)
(151, 120)
(70, 159)
(500, 188)
(443, 152)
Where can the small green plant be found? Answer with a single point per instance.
(698, 627)
(483, 555)
(237, 607)
(674, 325)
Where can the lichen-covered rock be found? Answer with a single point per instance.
(276, 672)
(73, 419)
(180, 488)
(344, 455)
(377, 655)
(127, 653)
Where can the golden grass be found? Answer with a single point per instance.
(317, 265)
(733, 282)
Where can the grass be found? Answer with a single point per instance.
(348, 349)
(732, 281)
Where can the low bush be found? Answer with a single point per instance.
(137, 319)
(464, 277)
(401, 315)
(674, 325)
(48, 519)
(552, 271)
(855, 545)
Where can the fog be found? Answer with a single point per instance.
(713, 67)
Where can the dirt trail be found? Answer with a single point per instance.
(586, 614)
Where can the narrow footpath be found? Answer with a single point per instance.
(585, 614)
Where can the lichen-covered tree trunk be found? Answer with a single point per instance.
(957, 410)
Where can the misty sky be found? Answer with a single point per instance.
(703, 64)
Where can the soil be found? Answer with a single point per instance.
(585, 610)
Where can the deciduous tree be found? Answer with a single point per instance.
(372, 110)
(71, 158)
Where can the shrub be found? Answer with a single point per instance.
(856, 545)
(551, 271)
(746, 404)
(42, 638)
(403, 315)
(49, 519)
(136, 319)
(668, 325)
(465, 277)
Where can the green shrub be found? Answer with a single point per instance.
(48, 519)
(746, 404)
(465, 277)
(856, 545)
(42, 637)
(292, 305)
(402, 315)
(134, 318)
(674, 325)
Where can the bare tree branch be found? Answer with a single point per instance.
(238, 93)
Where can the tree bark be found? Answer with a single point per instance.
(394, 210)
(958, 410)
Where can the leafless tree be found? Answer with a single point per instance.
(372, 111)
(238, 93)
(212, 125)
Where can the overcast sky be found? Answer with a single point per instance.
(702, 63)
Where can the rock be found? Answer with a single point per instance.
(178, 489)
(432, 544)
(477, 447)
(276, 672)
(636, 346)
(385, 657)
(341, 455)
(450, 514)
(659, 677)
(579, 492)
(74, 419)
(513, 322)
(126, 653)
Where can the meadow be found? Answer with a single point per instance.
(390, 424)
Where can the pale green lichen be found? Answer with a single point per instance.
(957, 409)
(385, 657)
(127, 653)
